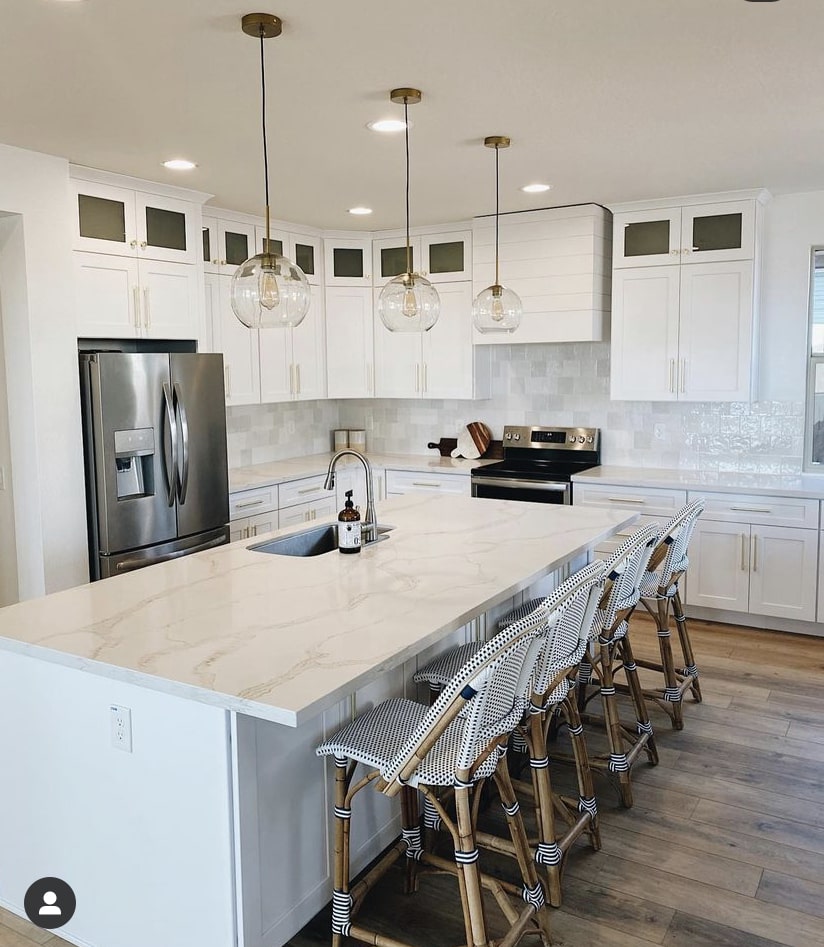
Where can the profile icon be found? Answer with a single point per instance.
(50, 903)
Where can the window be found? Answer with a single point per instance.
(814, 454)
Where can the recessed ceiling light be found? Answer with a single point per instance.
(536, 188)
(388, 125)
(179, 164)
(360, 210)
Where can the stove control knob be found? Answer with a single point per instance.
(517, 437)
(581, 439)
(508, 437)
(590, 439)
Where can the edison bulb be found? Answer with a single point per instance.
(270, 292)
(409, 303)
(497, 309)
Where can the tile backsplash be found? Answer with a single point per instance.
(566, 385)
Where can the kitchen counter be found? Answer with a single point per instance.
(805, 486)
(282, 638)
(280, 471)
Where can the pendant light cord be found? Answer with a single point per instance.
(497, 212)
(265, 145)
(406, 135)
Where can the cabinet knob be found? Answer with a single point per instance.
(143, 244)
(133, 243)
(223, 263)
(215, 262)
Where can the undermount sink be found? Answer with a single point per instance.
(311, 542)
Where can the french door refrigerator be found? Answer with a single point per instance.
(154, 427)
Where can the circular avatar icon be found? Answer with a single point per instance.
(49, 903)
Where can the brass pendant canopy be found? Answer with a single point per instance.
(497, 141)
(405, 96)
(271, 25)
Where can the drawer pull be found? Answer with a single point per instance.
(750, 509)
(743, 553)
(422, 483)
(245, 503)
(309, 490)
(625, 500)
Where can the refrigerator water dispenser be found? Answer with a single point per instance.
(134, 463)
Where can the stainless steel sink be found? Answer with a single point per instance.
(311, 542)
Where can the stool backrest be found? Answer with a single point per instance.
(489, 691)
(570, 619)
(669, 560)
(624, 570)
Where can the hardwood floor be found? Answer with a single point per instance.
(725, 842)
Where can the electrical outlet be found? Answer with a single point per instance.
(121, 727)
(659, 432)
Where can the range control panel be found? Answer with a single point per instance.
(559, 438)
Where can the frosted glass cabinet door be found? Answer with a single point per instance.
(166, 229)
(714, 233)
(347, 262)
(447, 257)
(389, 257)
(104, 219)
(647, 237)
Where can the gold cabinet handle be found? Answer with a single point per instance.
(297, 379)
(743, 552)
(755, 554)
(247, 503)
(309, 490)
(146, 311)
(136, 304)
(683, 374)
(672, 375)
(625, 500)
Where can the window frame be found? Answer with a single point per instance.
(813, 360)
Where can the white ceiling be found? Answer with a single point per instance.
(608, 100)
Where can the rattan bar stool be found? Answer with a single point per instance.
(569, 612)
(612, 651)
(459, 742)
(660, 595)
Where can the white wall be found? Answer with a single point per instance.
(40, 344)
(793, 224)
(8, 547)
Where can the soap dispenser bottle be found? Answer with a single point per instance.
(349, 527)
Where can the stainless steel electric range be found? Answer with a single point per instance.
(538, 464)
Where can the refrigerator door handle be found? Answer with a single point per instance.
(180, 409)
(171, 465)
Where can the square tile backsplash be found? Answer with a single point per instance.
(567, 385)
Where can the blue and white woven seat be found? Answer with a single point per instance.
(611, 650)
(458, 742)
(568, 614)
(659, 595)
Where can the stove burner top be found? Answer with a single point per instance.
(545, 453)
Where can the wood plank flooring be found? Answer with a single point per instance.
(725, 842)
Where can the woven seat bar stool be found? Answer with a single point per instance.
(660, 595)
(459, 741)
(569, 611)
(611, 651)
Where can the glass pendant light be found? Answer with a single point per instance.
(496, 308)
(268, 290)
(409, 302)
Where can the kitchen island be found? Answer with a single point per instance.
(206, 822)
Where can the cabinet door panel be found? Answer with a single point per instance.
(347, 262)
(210, 250)
(647, 237)
(239, 346)
(106, 287)
(277, 375)
(447, 346)
(104, 219)
(166, 229)
(262, 523)
(713, 233)
(398, 361)
(169, 299)
(783, 567)
(305, 251)
(719, 575)
(294, 515)
(235, 245)
(645, 333)
(309, 352)
(716, 332)
(349, 344)
(446, 257)
(389, 257)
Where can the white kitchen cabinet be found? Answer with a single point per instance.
(350, 353)
(683, 333)
(708, 232)
(308, 512)
(303, 249)
(293, 360)
(239, 344)
(121, 221)
(124, 297)
(389, 257)
(353, 477)
(347, 262)
(447, 257)
(251, 526)
(253, 512)
(747, 555)
(440, 363)
(414, 481)
(558, 261)
(226, 244)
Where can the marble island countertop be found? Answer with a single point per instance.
(805, 486)
(293, 468)
(283, 638)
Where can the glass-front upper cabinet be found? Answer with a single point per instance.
(226, 244)
(122, 222)
(695, 233)
(347, 262)
(389, 257)
(446, 257)
(299, 248)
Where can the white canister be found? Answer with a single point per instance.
(340, 439)
(357, 440)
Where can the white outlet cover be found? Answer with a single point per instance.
(121, 727)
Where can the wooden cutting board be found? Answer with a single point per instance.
(447, 444)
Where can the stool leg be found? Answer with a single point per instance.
(549, 853)
(411, 830)
(586, 790)
(642, 721)
(466, 858)
(672, 690)
(618, 762)
(341, 898)
(533, 890)
(689, 670)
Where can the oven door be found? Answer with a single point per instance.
(526, 491)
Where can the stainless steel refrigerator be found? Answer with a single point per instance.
(154, 426)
